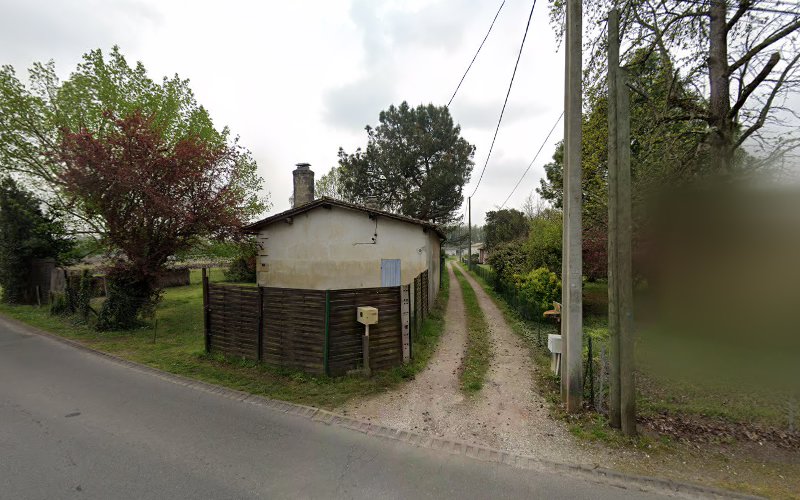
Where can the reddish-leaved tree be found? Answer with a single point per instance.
(155, 195)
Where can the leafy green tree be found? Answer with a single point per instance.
(416, 164)
(544, 242)
(26, 233)
(332, 186)
(34, 118)
(503, 226)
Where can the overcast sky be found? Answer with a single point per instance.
(298, 79)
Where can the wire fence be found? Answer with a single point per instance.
(537, 328)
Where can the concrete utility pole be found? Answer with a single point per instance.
(469, 218)
(622, 410)
(572, 263)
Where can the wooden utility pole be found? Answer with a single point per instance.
(572, 264)
(622, 410)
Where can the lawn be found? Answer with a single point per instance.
(763, 468)
(173, 342)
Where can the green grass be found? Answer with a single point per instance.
(174, 343)
(695, 398)
(479, 351)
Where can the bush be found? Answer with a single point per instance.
(130, 295)
(509, 259)
(84, 295)
(59, 305)
(538, 289)
(243, 267)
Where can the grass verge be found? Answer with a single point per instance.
(749, 468)
(479, 351)
(174, 343)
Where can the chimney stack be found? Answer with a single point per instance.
(303, 185)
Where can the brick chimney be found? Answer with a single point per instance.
(303, 185)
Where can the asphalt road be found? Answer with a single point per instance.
(77, 425)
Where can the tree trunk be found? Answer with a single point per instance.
(721, 138)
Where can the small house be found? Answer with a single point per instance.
(328, 244)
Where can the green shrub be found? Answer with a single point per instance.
(59, 305)
(243, 267)
(84, 295)
(508, 260)
(538, 289)
(130, 297)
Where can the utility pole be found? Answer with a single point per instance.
(622, 410)
(469, 218)
(572, 260)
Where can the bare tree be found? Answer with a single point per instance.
(741, 55)
(533, 206)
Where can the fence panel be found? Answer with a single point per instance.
(294, 329)
(385, 341)
(233, 320)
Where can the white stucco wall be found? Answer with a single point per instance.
(318, 250)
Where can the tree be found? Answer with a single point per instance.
(544, 242)
(741, 56)
(332, 185)
(26, 233)
(155, 194)
(416, 163)
(532, 206)
(503, 226)
(33, 118)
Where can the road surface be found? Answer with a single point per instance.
(77, 425)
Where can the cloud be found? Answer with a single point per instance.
(42, 30)
(483, 115)
(354, 105)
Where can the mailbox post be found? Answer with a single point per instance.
(366, 316)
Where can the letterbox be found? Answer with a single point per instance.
(367, 315)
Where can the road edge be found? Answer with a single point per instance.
(474, 451)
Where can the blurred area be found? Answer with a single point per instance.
(721, 279)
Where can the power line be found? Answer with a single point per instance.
(476, 54)
(534, 159)
(508, 93)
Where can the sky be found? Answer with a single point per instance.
(297, 80)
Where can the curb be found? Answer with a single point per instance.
(455, 447)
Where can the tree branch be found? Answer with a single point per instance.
(787, 30)
(749, 88)
(765, 110)
(744, 6)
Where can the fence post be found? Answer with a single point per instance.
(206, 316)
(590, 369)
(326, 346)
(405, 303)
(260, 323)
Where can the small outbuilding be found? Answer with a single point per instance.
(328, 244)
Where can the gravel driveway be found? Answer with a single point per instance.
(507, 413)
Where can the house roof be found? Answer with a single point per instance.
(329, 202)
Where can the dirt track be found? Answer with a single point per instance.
(506, 414)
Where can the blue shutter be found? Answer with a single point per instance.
(390, 272)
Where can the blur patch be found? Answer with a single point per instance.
(724, 266)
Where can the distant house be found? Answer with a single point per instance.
(480, 249)
(327, 244)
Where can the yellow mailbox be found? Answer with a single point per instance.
(367, 315)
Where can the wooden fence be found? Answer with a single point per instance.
(312, 330)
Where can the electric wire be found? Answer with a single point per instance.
(508, 93)
(476, 54)
(534, 159)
